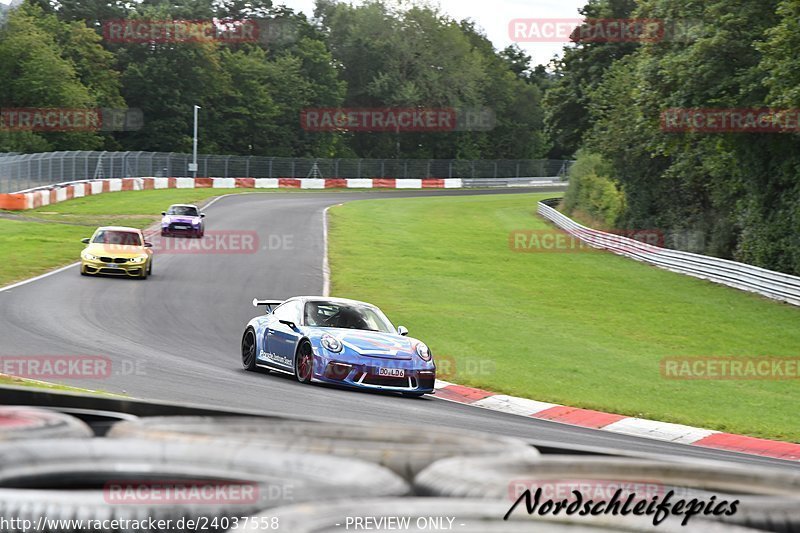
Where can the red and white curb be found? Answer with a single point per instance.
(637, 427)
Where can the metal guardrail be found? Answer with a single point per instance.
(537, 181)
(775, 285)
(27, 171)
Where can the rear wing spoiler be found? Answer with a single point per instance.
(269, 304)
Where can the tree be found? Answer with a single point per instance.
(40, 72)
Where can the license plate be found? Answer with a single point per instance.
(392, 372)
(181, 227)
(111, 265)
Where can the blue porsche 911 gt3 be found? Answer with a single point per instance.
(338, 341)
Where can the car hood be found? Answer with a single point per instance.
(373, 343)
(115, 250)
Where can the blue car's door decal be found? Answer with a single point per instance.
(281, 343)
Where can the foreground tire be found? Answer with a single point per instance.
(769, 498)
(117, 479)
(404, 449)
(468, 516)
(18, 423)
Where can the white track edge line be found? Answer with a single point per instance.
(37, 278)
(326, 267)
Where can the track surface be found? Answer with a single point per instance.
(176, 336)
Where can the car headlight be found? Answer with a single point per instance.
(88, 256)
(140, 259)
(423, 352)
(331, 343)
(196, 222)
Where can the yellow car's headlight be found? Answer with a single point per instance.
(140, 259)
(88, 256)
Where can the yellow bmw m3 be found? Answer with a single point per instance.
(118, 251)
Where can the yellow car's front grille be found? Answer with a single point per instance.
(118, 260)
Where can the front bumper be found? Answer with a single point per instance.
(367, 376)
(126, 269)
(172, 230)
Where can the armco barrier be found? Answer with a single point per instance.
(42, 196)
(775, 285)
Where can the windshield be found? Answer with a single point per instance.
(346, 316)
(121, 238)
(182, 210)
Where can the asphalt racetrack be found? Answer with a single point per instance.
(176, 335)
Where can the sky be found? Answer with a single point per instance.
(493, 16)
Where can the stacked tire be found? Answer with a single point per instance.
(405, 450)
(135, 481)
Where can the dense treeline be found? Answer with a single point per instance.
(602, 102)
(53, 54)
(739, 191)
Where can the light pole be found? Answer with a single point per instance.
(193, 166)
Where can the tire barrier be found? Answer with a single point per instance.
(244, 472)
(769, 498)
(135, 480)
(464, 516)
(20, 422)
(404, 449)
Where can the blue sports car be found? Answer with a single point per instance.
(338, 341)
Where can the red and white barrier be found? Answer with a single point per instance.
(34, 198)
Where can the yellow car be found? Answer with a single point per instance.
(118, 251)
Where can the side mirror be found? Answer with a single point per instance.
(202, 215)
(289, 323)
(402, 330)
(86, 240)
(148, 245)
(163, 213)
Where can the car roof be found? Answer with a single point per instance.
(332, 300)
(118, 228)
(184, 205)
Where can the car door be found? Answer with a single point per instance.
(281, 338)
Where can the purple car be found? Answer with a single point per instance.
(183, 219)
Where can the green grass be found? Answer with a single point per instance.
(20, 382)
(579, 329)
